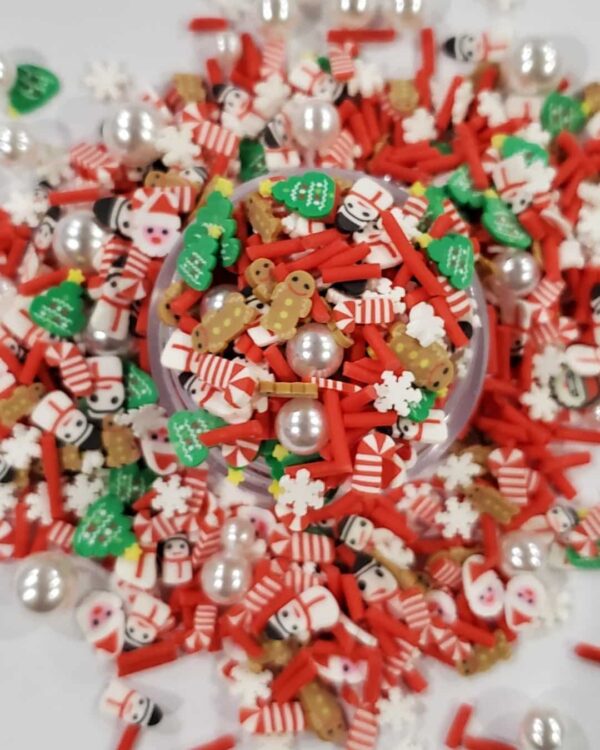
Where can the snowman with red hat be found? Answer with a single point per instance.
(312, 611)
(147, 617)
(177, 567)
(483, 588)
(108, 395)
(377, 584)
(362, 205)
(128, 705)
(56, 413)
(101, 618)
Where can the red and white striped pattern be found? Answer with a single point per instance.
(377, 310)
(445, 572)
(335, 385)
(74, 370)
(195, 480)
(92, 161)
(263, 592)
(458, 300)
(415, 609)
(277, 718)
(301, 546)
(273, 57)
(516, 481)
(137, 264)
(459, 225)
(60, 534)
(179, 354)
(299, 580)
(241, 453)
(584, 537)
(564, 331)
(363, 731)
(367, 476)
(422, 505)
(151, 530)
(399, 663)
(234, 379)
(209, 542)
(547, 293)
(341, 58)
(416, 206)
(150, 96)
(212, 137)
(452, 646)
(342, 153)
(111, 251)
(205, 623)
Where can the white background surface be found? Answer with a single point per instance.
(50, 680)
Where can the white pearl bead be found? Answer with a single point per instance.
(522, 553)
(276, 16)
(225, 578)
(100, 342)
(314, 351)
(542, 729)
(403, 14)
(301, 426)
(44, 581)
(315, 124)
(517, 271)
(355, 14)
(214, 298)
(77, 240)
(238, 536)
(533, 67)
(130, 134)
(8, 74)
(228, 46)
(16, 143)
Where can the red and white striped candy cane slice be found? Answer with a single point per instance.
(299, 580)
(136, 266)
(547, 293)
(241, 453)
(516, 480)
(363, 731)
(342, 152)
(273, 57)
(416, 206)
(233, 378)
(341, 57)
(196, 480)
(452, 646)
(74, 369)
(277, 718)
(459, 225)
(446, 572)
(93, 161)
(335, 385)
(113, 249)
(300, 546)
(404, 660)
(61, 534)
(377, 310)
(415, 609)
(422, 505)
(209, 542)
(586, 546)
(458, 300)
(212, 137)
(7, 545)
(151, 531)
(565, 331)
(368, 462)
(263, 592)
(205, 624)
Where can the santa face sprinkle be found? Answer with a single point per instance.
(321, 324)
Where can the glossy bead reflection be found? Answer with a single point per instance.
(78, 239)
(314, 351)
(44, 581)
(130, 134)
(301, 426)
(226, 578)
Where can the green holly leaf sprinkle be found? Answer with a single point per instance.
(34, 87)
(104, 530)
(311, 195)
(503, 225)
(455, 259)
(141, 389)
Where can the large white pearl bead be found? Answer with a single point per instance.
(521, 553)
(301, 426)
(225, 578)
(403, 14)
(517, 271)
(355, 14)
(229, 46)
(99, 342)
(276, 17)
(44, 581)
(214, 298)
(314, 351)
(130, 134)
(542, 729)
(238, 536)
(16, 143)
(533, 67)
(315, 124)
(8, 74)
(78, 239)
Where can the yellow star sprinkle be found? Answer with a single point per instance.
(417, 189)
(424, 240)
(265, 188)
(498, 140)
(235, 476)
(490, 193)
(223, 186)
(133, 553)
(279, 452)
(76, 275)
(586, 108)
(275, 489)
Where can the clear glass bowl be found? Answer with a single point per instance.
(462, 400)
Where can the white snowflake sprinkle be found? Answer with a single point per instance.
(397, 393)
(420, 126)
(250, 687)
(25, 207)
(462, 101)
(398, 710)
(92, 461)
(171, 496)
(367, 79)
(53, 165)
(458, 517)
(81, 492)
(394, 549)
(38, 504)
(8, 498)
(107, 81)
(176, 145)
(424, 325)
(22, 447)
(547, 363)
(540, 402)
(458, 471)
(490, 104)
(297, 495)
